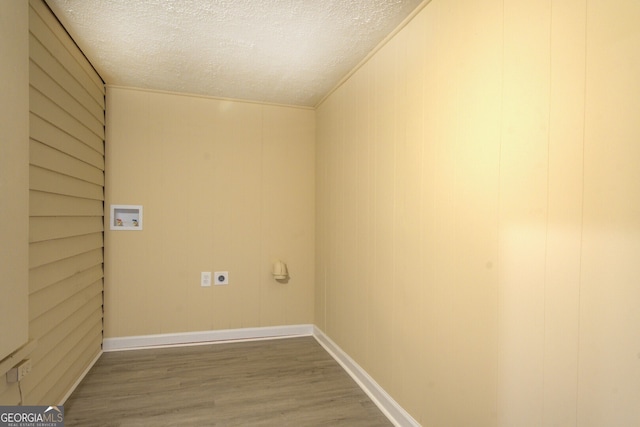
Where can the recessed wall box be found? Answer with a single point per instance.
(126, 217)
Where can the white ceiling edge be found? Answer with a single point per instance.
(286, 52)
(375, 50)
(205, 96)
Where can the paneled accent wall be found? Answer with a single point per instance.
(66, 174)
(478, 214)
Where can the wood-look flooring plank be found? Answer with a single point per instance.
(282, 382)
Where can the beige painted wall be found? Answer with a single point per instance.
(225, 186)
(14, 177)
(478, 214)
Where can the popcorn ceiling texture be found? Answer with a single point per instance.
(279, 51)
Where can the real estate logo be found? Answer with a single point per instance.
(31, 416)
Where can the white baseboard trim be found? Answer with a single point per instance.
(80, 378)
(389, 407)
(204, 337)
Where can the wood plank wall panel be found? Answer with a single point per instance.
(523, 209)
(405, 272)
(500, 189)
(609, 362)
(66, 176)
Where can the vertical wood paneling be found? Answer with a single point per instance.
(430, 137)
(563, 252)
(66, 209)
(609, 362)
(402, 201)
(346, 224)
(523, 214)
(384, 159)
(322, 214)
(362, 152)
(410, 169)
(333, 181)
(471, 145)
(503, 213)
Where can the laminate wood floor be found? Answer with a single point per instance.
(281, 382)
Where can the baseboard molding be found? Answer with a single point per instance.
(204, 337)
(389, 407)
(80, 378)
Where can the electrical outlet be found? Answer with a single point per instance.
(221, 278)
(18, 372)
(205, 278)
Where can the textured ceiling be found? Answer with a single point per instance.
(279, 51)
